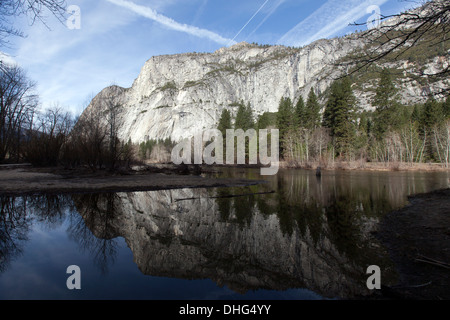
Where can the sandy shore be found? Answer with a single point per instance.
(35, 181)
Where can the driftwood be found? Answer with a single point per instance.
(412, 286)
(434, 262)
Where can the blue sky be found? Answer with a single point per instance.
(116, 37)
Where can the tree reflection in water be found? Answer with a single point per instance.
(18, 214)
(91, 227)
(14, 226)
(313, 233)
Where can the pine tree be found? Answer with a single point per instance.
(249, 117)
(224, 122)
(285, 116)
(404, 116)
(432, 114)
(312, 111)
(244, 117)
(285, 120)
(363, 131)
(446, 107)
(386, 102)
(244, 121)
(266, 120)
(363, 121)
(339, 115)
(416, 114)
(432, 117)
(299, 112)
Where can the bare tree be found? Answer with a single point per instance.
(49, 134)
(87, 141)
(398, 33)
(442, 142)
(320, 140)
(94, 141)
(116, 151)
(35, 9)
(413, 143)
(112, 110)
(18, 104)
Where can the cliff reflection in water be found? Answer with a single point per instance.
(296, 231)
(309, 233)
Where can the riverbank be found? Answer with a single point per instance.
(367, 166)
(417, 238)
(25, 181)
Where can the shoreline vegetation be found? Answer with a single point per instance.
(25, 179)
(368, 166)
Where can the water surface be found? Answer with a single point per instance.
(294, 237)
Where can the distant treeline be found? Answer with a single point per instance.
(310, 132)
(341, 131)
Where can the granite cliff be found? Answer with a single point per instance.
(176, 96)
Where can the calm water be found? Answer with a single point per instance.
(293, 237)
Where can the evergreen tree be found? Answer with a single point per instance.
(387, 107)
(244, 121)
(224, 122)
(249, 117)
(404, 116)
(299, 113)
(446, 108)
(285, 120)
(369, 126)
(416, 114)
(266, 120)
(285, 116)
(312, 111)
(339, 115)
(363, 121)
(244, 117)
(432, 114)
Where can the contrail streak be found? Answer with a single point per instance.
(263, 5)
(170, 23)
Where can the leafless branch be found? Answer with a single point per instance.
(399, 33)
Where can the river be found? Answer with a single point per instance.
(296, 236)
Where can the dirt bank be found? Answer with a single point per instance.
(51, 180)
(367, 166)
(418, 240)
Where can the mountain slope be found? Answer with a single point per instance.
(176, 96)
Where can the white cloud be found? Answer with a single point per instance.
(172, 24)
(333, 16)
(43, 44)
(68, 65)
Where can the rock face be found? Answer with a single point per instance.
(189, 239)
(177, 96)
(308, 234)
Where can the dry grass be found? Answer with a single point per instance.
(369, 166)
